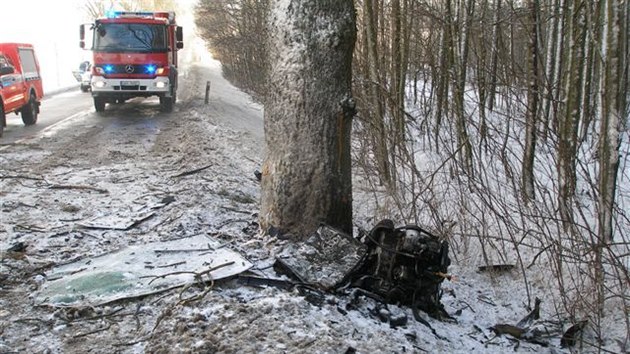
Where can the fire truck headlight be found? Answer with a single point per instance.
(160, 84)
(99, 84)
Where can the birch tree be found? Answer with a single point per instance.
(306, 177)
(463, 138)
(398, 73)
(496, 37)
(553, 54)
(446, 62)
(568, 122)
(482, 86)
(379, 135)
(531, 118)
(614, 109)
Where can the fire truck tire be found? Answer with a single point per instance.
(2, 117)
(85, 88)
(99, 104)
(30, 111)
(166, 104)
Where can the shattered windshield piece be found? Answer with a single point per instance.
(140, 270)
(135, 37)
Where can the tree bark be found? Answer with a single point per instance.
(378, 117)
(569, 121)
(587, 98)
(306, 177)
(614, 107)
(463, 139)
(446, 60)
(531, 118)
(554, 40)
(496, 35)
(482, 87)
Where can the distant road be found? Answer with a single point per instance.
(55, 108)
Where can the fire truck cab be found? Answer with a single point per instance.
(20, 83)
(134, 55)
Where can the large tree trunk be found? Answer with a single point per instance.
(308, 114)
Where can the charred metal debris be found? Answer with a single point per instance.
(393, 265)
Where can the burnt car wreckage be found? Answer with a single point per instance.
(399, 266)
(404, 265)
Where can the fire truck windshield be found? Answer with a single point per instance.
(130, 37)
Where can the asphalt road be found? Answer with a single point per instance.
(54, 109)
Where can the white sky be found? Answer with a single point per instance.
(53, 28)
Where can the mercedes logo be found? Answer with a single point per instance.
(129, 69)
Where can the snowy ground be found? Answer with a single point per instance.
(133, 152)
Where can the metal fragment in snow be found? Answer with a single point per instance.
(325, 259)
(117, 221)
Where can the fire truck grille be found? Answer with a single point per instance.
(130, 88)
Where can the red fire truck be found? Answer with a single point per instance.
(134, 55)
(20, 83)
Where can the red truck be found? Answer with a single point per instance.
(134, 55)
(20, 83)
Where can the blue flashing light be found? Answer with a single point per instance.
(150, 69)
(108, 69)
(119, 14)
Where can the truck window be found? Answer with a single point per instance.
(29, 65)
(3, 61)
(131, 37)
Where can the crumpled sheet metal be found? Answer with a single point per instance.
(325, 259)
(135, 271)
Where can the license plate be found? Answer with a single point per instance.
(129, 83)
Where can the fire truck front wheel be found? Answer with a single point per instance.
(166, 103)
(30, 111)
(99, 104)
